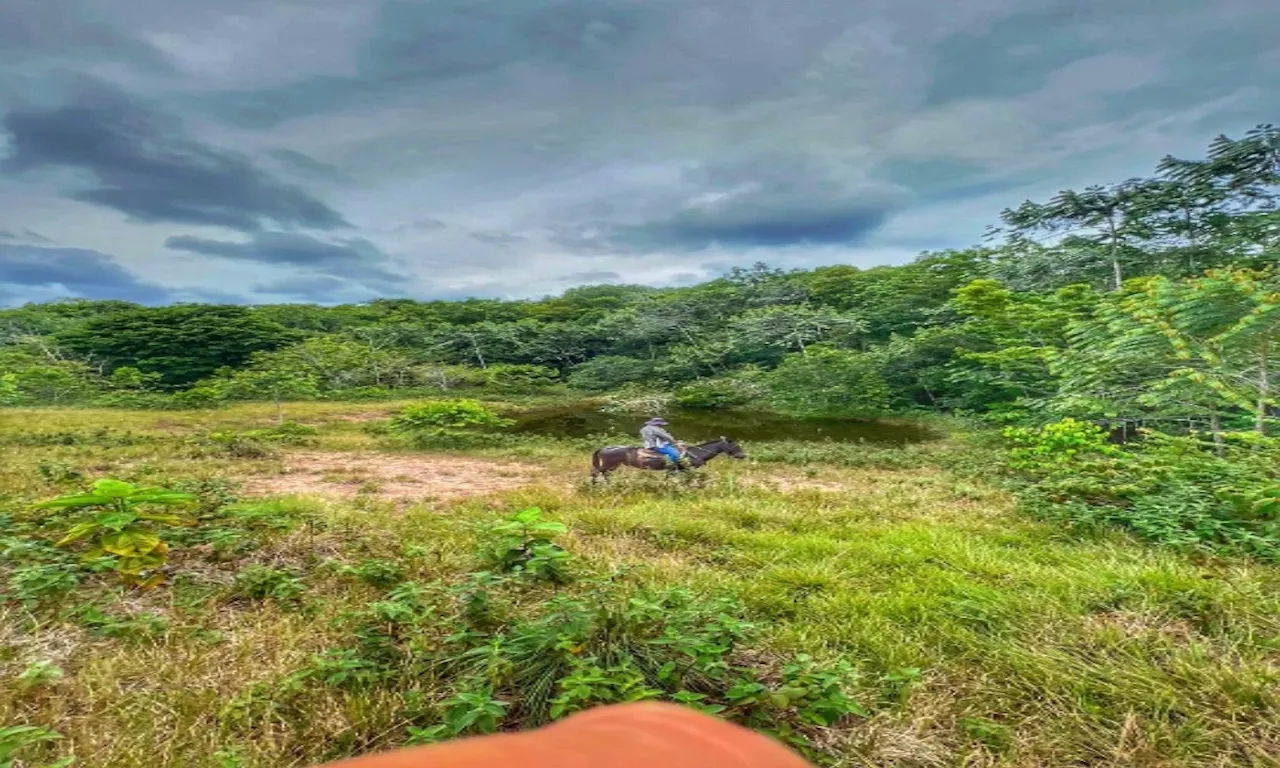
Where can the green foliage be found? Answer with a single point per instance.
(181, 344)
(142, 626)
(726, 392)
(19, 738)
(120, 527)
(262, 582)
(39, 674)
(610, 372)
(464, 713)
(614, 645)
(829, 382)
(525, 544)
(43, 582)
(1183, 492)
(1055, 444)
(445, 421)
(253, 443)
(378, 573)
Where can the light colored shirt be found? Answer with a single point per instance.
(655, 436)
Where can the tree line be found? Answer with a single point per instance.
(1147, 301)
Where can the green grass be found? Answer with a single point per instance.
(1035, 647)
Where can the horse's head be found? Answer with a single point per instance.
(732, 449)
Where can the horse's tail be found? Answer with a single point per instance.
(596, 464)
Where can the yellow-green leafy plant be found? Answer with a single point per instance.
(118, 522)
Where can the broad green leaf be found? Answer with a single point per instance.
(166, 519)
(160, 496)
(527, 516)
(114, 489)
(74, 500)
(114, 519)
(130, 542)
(77, 532)
(135, 565)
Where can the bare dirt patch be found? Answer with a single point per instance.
(410, 478)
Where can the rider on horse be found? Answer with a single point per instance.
(658, 439)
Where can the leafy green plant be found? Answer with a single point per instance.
(261, 582)
(39, 674)
(524, 543)
(43, 582)
(728, 392)
(142, 626)
(1254, 503)
(17, 738)
(344, 668)
(57, 472)
(587, 684)
(377, 573)
(465, 712)
(1059, 443)
(121, 527)
(445, 421)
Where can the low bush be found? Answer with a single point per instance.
(445, 423)
(727, 392)
(1180, 491)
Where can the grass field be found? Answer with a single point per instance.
(978, 636)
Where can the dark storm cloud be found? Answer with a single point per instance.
(751, 202)
(145, 166)
(354, 259)
(80, 272)
(819, 223)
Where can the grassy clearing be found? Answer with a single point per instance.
(1033, 648)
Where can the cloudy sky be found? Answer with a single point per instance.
(341, 150)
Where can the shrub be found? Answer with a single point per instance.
(728, 392)
(1035, 448)
(829, 383)
(1176, 491)
(445, 421)
(524, 544)
(609, 372)
(614, 645)
(120, 527)
(520, 378)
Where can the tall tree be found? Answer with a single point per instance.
(1109, 222)
(182, 343)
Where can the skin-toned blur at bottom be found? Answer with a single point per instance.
(624, 736)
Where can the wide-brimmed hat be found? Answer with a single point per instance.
(656, 422)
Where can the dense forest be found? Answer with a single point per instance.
(1146, 307)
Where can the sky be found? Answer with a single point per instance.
(262, 151)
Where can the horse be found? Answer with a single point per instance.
(611, 457)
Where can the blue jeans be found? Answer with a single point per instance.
(670, 451)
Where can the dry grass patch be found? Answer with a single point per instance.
(411, 478)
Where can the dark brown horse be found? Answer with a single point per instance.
(610, 458)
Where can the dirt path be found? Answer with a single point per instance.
(410, 478)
